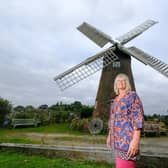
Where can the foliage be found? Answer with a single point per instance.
(157, 118)
(62, 112)
(59, 116)
(43, 115)
(29, 108)
(5, 108)
(164, 119)
(19, 108)
(66, 112)
(24, 112)
(87, 111)
(23, 115)
(80, 124)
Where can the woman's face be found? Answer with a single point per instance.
(121, 83)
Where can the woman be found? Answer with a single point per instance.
(126, 122)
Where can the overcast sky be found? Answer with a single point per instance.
(39, 40)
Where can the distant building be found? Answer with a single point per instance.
(43, 106)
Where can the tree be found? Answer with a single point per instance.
(5, 108)
(86, 111)
(19, 108)
(77, 107)
(54, 107)
(29, 108)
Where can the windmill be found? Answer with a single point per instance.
(113, 60)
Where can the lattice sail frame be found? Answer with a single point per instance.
(86, 68)
(147, 59)
(136, 31)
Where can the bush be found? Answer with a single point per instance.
(43, 116)
(5, 109)
(80, 124)
(86, 111)
(59, 116)
(23, 115)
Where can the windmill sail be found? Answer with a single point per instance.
(106, 57)
(86, 68)
(94, 34)
(147, 59)
(136, 31)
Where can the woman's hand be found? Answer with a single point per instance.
(135, 144)
(133, 148)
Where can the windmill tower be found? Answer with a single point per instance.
(113, 60)
(105, 92)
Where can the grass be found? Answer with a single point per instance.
(56, 128)
(16, 135)
(18, 140)
(79, 139)
(11, 159)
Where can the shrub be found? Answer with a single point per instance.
(80, 124)
(5, 108)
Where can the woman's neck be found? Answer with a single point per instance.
(122, 93)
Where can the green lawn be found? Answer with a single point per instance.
(17, 135)
(55, 128)
(11, 159)
(12, 135)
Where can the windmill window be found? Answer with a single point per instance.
(116, 64)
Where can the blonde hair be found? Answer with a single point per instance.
(125, 77)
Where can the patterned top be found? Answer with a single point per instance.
(126, 115)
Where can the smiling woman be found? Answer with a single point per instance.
(125, 123)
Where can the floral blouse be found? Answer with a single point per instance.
(126, 115)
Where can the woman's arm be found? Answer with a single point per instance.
(108, 140)
(137, 114)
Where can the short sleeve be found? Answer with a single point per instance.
(137, 112)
